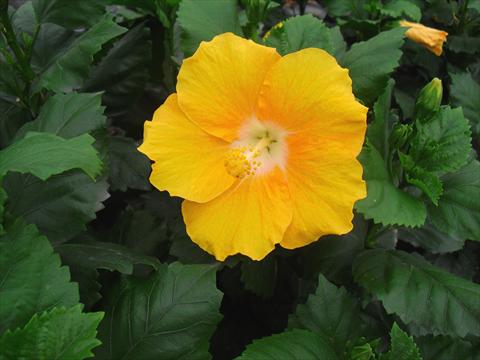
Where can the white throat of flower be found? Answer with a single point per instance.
(260, 147)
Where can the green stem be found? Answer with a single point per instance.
(6, 28)
(463, 14)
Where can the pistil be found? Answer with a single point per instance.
(244, 160)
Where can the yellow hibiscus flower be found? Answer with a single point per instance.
(428, 37)
(261, 147)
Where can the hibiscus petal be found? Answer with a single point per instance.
(324, 180)
(249, 219)
(219, 85)
(308, 91)
(188, 162)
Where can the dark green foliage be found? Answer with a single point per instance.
(201, 21)
(33, 279)
(57, 334)
(420, 293)
(458, 211)
(402, 346)
(71, 67)
(44, 155)
(102, 255)
(371, 62)
(295, 345)
(68, 115)
(169, 315)
(299, 33)
(128, 167)
(332, 313)
(60, 207)
(465, 92)
(401, 208)
(95, 262)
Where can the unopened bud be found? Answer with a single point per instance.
(256, 10)
(400, 135)
(429, 100)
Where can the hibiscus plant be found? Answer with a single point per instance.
(240, 179)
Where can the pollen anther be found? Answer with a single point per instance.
(244, 161)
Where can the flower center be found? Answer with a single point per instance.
(260, 147)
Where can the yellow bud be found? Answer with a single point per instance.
(428, 37)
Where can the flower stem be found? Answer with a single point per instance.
(6, 29)
(463, 14)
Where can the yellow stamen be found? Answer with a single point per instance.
(241, 161)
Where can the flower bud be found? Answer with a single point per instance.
(400, 135)
(429, 100)
(256, 10)
(430, 38)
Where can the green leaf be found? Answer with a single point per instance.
(60, 206)
(140, 231)
(11, 118)
(345, 8)
(474, 5)
(3, 199)
(399, 8)
(367, 27)
(384, 202)
(23, 19)
(148, 6)
(446, 348)
(103, 255)
(463, 44)
(186, 251)
(425, 180)
(68, 115)
(429, 183)
(44, 155)
(128, 168)
(331, 313)
(71, 66)
(465, 92)
(462, 263)
(166, 316)
(458, 211)
(56, 334)
(338, 42)
(32, 279)
(202, 20)
(300, 32)
(443, 11)
(443, 143)
(420, 293)
(52, 41)
(123, 72)
(378, 132)
(260, 277)
(11, 85)
(292, 345)
(66, 13)
(371, 62)
(431, 239)
(405, 101)
(333, 255)
(89, 287)
(402, 346)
